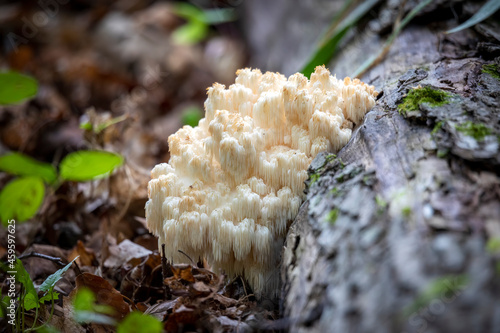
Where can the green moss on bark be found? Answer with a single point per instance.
(491, 69)
(417, 96)
(476, 130)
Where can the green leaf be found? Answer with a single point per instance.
(187, 11)
(191, 116)
(4, 303)
(83, 316)
(51, 295)
(87, 311)
(16, 87)
(86, 126)
(21, 198)
(86, 165)
(85, 301)
(22, 277)
(190, 33)
(21, 165)
(51, 281)
(138, 322)
(482, 14)
(337, 30)
(198, 21)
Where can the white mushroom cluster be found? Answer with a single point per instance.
(235, 182)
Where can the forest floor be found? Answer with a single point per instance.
(119, 78)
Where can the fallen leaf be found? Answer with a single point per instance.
(87, 256)
(123, 252)
(183, 272)
(180, 318)
(104, 292)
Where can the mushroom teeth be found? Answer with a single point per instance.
(235, 182)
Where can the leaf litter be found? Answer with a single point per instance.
(99, 90)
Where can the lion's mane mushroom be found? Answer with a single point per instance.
(235, 182)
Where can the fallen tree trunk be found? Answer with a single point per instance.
(400, 231)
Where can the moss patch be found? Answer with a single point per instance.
(476, 130)
(332, 216)
(417, 96)
(491, 69)
(449, 286)
(406, 211)
(335, 191)
(330, 157)
(313, 178)
(437, 127)
(493, 245)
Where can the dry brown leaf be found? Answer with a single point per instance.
(63, 318)
(181, 317)
(123, 252)
(104, 292)
(183, 272)
(86, 256)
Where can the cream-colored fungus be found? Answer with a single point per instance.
(235, 182)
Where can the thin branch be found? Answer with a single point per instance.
(56, 260)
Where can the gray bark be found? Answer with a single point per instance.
(394, 234)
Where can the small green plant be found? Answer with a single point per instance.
(420, 95)
(28, 298)
(98, 127)
(476, 130)
(16, 87)
(332, 216)
(21, 198)
(198, 22)
(491, 69)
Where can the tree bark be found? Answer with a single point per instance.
(400, 232)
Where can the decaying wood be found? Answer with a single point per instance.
(394, 234)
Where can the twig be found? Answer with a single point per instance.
(55, 260)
